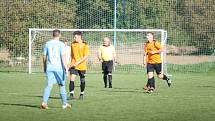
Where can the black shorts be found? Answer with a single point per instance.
(107, 66)
(154, 67)
(81, 73)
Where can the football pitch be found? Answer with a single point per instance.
(191, 98)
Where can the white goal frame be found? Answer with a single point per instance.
(32, 38)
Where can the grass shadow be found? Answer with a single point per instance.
(42, 96)
(21, 105)
(124, 90)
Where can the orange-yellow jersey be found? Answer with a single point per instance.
(151, 47)
(78, 51)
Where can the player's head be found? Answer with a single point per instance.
(56, 33)
(106, 41)
(77, 36)
(150, 36)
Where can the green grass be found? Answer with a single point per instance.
(191, 98)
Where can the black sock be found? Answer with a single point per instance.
(110, 80)
(165, 77)
(151, 82)
(82, 86)
(71, 86)
(105, 79)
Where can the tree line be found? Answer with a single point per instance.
(188, 22)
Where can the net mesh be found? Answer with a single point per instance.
(190, 25)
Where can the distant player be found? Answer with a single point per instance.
(107, 56)
(55, 66)
(67, 51)
(152, 61)
(79, 56)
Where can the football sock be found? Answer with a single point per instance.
(105, 79)
(82, 86)
(151, 82)
(71, 86)
(165, 77)
(110, 80)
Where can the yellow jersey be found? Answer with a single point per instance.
(78, 51)
(107, 53)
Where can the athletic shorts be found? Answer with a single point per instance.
(154, 67)
(56, 77)
(81, 73)
(107, 66)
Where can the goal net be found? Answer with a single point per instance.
(128, 43)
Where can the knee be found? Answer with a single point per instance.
(150, 75)
(160, 75)
(82, 79)
(49, 86)
(72, 77)
(109, 74)
(62, 90)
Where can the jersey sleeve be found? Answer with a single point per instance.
(157, 45)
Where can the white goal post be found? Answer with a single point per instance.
(128, 44)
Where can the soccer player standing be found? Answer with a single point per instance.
(152, 61)
(55, 67)
(67, 51)
(79, 56)
(107, 56)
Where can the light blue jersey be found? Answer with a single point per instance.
(53, 50)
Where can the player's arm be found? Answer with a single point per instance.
(81, 60)
(44, 63)
(114, 54)
(44, 59)
(145, 56)
(99, 54)
(159, 47)
(145, 59)
(64, 61)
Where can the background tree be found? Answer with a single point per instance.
(197, 19)
(17, 16)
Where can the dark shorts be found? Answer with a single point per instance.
(107, 66)
(154, 67)
(81, 73)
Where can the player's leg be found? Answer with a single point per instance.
(50, 82)
(73, 73)
(64, 96)
(109, 70)
(61, 77)
(160, 75)
(82, 83)
(151, 79)
(104, 71)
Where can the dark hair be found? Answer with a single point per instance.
(150, 33)
(56, 33)
(77, 33)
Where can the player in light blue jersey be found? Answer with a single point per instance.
(55, 67)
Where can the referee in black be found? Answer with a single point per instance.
(107, 56)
